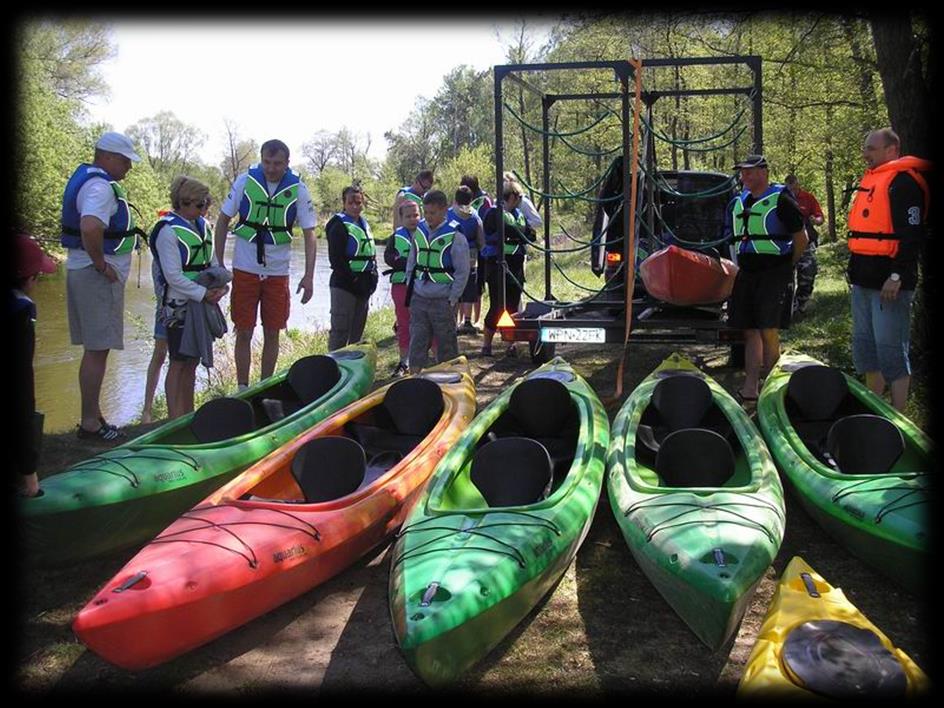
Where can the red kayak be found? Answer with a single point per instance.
(288, 523)
(682, 277)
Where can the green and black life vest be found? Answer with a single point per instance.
(401, 242)
(434, 252)
(758, 229)
(359, 250)
(267, 219)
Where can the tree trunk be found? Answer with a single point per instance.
(906, 93)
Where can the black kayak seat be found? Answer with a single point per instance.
(311, 377)
(329, 468)
(681, 401)
(512, 472)
(817, 391)
(222, 419)
(865, 444)
(308, 379)
(677, 402)
(694, 457)
(839, 660)
(541, 406)
(415, 405)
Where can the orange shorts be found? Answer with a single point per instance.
(270, 295)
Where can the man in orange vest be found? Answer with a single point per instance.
(886, 233)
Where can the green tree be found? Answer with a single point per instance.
(167, 141)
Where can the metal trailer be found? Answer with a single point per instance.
(601, 318)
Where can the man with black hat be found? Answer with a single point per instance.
(767, 227)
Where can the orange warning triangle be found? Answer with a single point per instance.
(505, 320)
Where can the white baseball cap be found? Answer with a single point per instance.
(116, 142)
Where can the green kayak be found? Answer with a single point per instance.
(128, 494)
(500, 521)
(859, 467)
(696, 496)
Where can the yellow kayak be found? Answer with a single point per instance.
(815, 643)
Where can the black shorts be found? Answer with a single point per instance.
(472, 289)
(174, 337)
(757, 301)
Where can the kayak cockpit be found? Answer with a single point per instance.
(841, 431)
(355, 454)
(525, 455)
(684, 438)
(223, 419)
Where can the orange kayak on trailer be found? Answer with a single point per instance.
(288, 523)
(682, 277)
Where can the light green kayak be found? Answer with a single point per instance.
(874, 501)
(501, 520)
(128, 494)
(696, 496)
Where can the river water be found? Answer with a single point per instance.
(56, 363)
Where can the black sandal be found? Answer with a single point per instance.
(105, 433)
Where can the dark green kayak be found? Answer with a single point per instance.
(500, 521)
(696, 496)
(859, 467)
(128, 494)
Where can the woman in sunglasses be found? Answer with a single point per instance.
(184, 248)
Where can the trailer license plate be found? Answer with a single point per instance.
(585, 335)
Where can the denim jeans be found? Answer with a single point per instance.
(881, 333)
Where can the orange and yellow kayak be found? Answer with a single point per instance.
(295, 519)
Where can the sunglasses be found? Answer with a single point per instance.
(200, 205)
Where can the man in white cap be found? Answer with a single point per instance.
(99, 232)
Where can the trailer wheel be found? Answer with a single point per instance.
(541, 352)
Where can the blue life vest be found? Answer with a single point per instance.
(468, 226)
(120, 233)
(512, 244)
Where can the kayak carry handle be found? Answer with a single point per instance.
(430, 593)
(131, 582)
(810, 585)
(719, 558)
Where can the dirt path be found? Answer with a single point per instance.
(603, 630)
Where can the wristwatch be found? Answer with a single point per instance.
(894, 277)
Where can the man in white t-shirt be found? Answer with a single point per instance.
(268, 201)
(99, 233)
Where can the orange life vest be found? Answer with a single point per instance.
(871, 232)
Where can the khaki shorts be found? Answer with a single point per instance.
(96, 310)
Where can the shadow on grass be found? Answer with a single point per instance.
(637, 642)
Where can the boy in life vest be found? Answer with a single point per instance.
(886, 234)
(413, 193)
(481, 202)
(471, 226)
(396, 255)
(438, 267)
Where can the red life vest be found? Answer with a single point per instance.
(871, 231)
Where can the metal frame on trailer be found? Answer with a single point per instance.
(702, 325)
